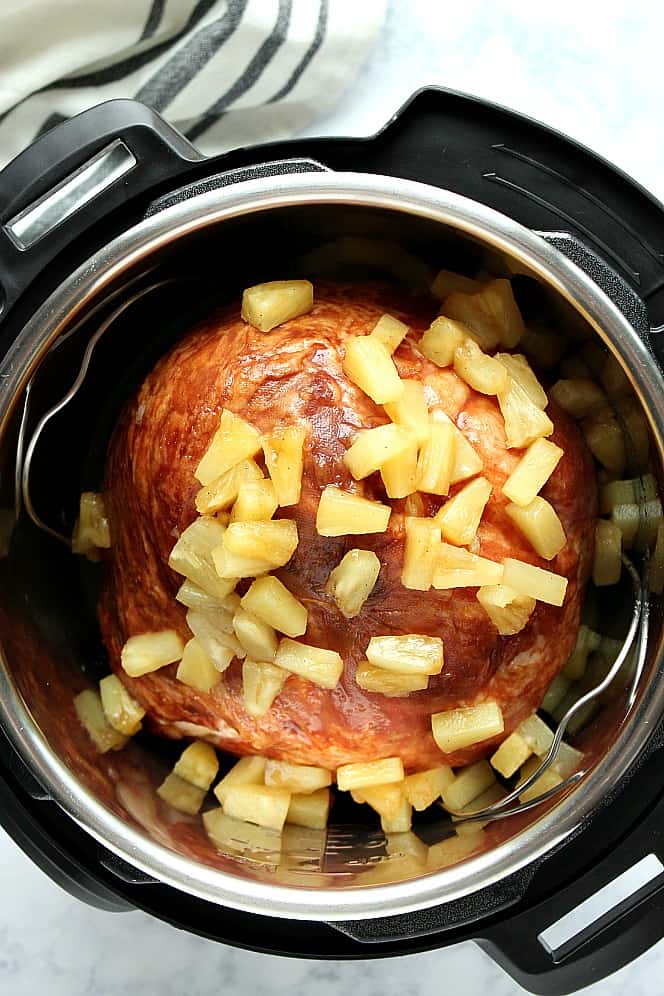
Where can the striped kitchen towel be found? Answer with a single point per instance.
(227, 73)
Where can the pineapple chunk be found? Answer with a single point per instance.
(492, 312)
(400, 473)
(401, 822)
(196, 669)
(181, 795)
(323, 667)
(265, 306)
(607, 562)
(656, 566)
(192, 556)
(92, 531)
(271, 601)
(455, 849)
(368, 364)
(310, 810)
(214, 632)
(446, 282)
(436, 459)
(352, 581)
(492, 795)
(467, 462)
(536, 733)
(641, 490)
(512, 753)
(300, 778)
(198, 764)
(374, 447)
(520, 370)
(420, 553)
(268, 807)
(578, 396)
(233, 566)
(411, 410)
(91, 716)
(423, 788)
(341, 513)
(258, 639)
(606, 441)
(524, 421)
(412, 654)
(248, 770)
(284, 459)
(223, 490)
(555, 694)
(386, 800)
(548, 780)
(151, 651)
(532, 471)
(193, 597)
(507, 609)
(587, 641)
(234, 440)
(457, 568)
(468, 784)
(363, 774)
(542, 347)
(527, 579)
(441, 340)
(256, 501)
(389, 332)
(541, 526)
(122, 711)
(459, 518)
(568, 760)
(261, 684)
(628, 520)
(483, 373)
(274, 541)
(458, 728)
(414, 505)
(390, 683)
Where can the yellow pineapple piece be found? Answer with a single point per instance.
(519, 369)
(274, 541)
(91, 716)
(411, 410)
(400, 473)
(300, 778)
(341, 513)
(220, 493)
(628, 520)
(550, 779)
(311, 810)
(234, 440)
(198, 764)
(420, 553)
(656, 566)
(491, 312)
(467, 462)
(401, 822)
(261, 684)
(258, 639)
(386, 800)
(457, 568)
(436, 458)
(532, 471)
(488, 798)
(363, 774)
(233, 566)
(181, 795)
(424, 787)
(265, 306)
(536, 733)
(151, 651)
(374, 447)
(389, 332)
(587, 641)
(271, 601)
(122, 711)
(455, 729)
(446, 282)
(459, 518)
(256, 501)
(390, 683)
(248, 770)
(607, 562)
(541, 526)
(526, 579)
(441, 340)
(196, 669)
(193, 597)
(369, 365)
(284, 459)
(268, 807)
(568, 760)
(483, 373)
(92, 531)
(507, 609)
(322, 667)
(524, 421)
(192, 556)
(468, 784)
(605, 438)
(352, 581)
(412, 654)
(214, 632)
(512, 753)
(579, 396)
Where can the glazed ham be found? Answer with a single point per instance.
(293, 376)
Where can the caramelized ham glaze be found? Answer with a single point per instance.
(293, 375)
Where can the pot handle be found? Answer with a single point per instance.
(74, 175)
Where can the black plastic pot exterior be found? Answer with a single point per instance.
(615, 232)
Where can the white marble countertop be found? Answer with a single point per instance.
(593, 74)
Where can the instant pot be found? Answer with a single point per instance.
(113, 213)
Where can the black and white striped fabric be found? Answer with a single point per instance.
(225, 72)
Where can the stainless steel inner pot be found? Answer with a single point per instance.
(238, 234)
